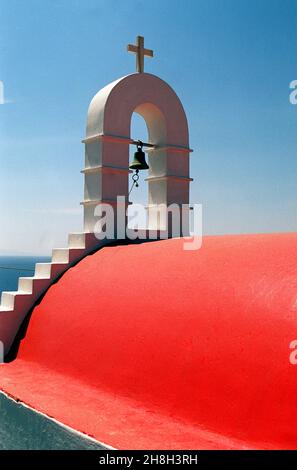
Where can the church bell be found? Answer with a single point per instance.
(139, 162)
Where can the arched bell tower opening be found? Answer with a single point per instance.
(107, 141)
(138, 196)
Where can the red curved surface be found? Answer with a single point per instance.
(151, 346)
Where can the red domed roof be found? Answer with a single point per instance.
(151, 346)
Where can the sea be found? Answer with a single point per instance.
(13, 267)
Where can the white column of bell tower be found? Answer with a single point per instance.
(106, 176)
(169, 183)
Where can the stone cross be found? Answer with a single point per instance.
(140, 52)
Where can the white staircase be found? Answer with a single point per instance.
(15, 305)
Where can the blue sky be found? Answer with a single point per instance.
(230, 62)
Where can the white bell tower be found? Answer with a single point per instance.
(108, 137)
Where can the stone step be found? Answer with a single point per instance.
(13, 299)
(60, 255)
(67, 255)
(5, 309)
(88, 241)
(43, 270)
(75, 254)
(77, 240)
(33, 285)
(50, 270)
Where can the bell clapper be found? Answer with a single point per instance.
(135, 178)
